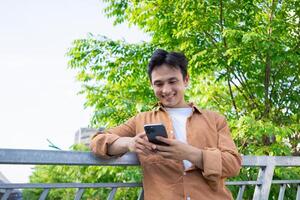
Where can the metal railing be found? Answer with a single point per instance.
(262, 185)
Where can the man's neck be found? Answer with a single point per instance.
(184, 105)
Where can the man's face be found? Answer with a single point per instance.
(169, 86)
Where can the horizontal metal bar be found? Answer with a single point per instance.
(283, 161)
(67, 185)
(287, 161)
(50, 157)
(116, 185)
(96, 185)
(243, 183)
(259, 182)
(286, 182)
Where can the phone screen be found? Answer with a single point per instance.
(153, 130)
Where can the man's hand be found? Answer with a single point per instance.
(179, 151)
(140, 144)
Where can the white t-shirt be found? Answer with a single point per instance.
(179, 117)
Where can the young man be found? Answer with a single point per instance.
(200, 152)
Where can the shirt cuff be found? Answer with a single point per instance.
(100, 143)
(212, 167)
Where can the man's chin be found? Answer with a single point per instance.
(168, 104)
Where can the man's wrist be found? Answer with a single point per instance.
(129, 145)
(120, 146)
(196, 157)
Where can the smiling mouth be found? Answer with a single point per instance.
(168, 97)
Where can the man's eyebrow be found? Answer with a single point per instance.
(172, 79)
(157, 81)
(169, 79)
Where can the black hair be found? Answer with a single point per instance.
(173, 59)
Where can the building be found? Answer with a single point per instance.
(83, 135)
(14, 195)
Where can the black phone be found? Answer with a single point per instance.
(153, 130)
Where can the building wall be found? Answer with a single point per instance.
(84, 135)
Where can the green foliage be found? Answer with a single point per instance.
(258, 137)
(253, 46)
(114, 78)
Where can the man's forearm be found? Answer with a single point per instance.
(120, 146)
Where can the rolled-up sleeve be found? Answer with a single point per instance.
(101, 141)
(223, 161)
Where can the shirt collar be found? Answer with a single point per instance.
(159, 106)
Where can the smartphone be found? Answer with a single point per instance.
(153, 130)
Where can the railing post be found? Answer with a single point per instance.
(141, 195)
(265, 176)
(44, 194)
(241, 192)
(298, 192)
(112, 194)
(79, 193)
(6, 194)
(282, 191)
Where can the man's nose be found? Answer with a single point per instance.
(166, 89)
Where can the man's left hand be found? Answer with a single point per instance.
(179, 151)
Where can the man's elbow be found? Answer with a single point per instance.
(232, 166)
(93, 147)
(97, 147)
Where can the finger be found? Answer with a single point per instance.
(148, 152)
(145, 148)
(165, 140)
(163, 148)
(149, 144)
(145, 137)
(141, 152)
(139, 147)
(145, 152)
(141, 135)
(165, 154)
(145, 143)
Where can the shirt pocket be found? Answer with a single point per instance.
(202, 138)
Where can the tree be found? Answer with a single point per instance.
(239, 49)
(243, 60)
(253, 46)
(111, 72)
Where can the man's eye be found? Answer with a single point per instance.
(158, 84)
(172, 82)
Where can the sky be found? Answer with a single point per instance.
(38, 92)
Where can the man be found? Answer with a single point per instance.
(200, 152)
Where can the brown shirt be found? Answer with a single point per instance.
(167, 179)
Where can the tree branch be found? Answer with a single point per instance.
(268, 68)
(232, 98)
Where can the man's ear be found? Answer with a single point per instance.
(151, 84)
(186, 80)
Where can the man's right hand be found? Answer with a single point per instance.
(140, 144)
